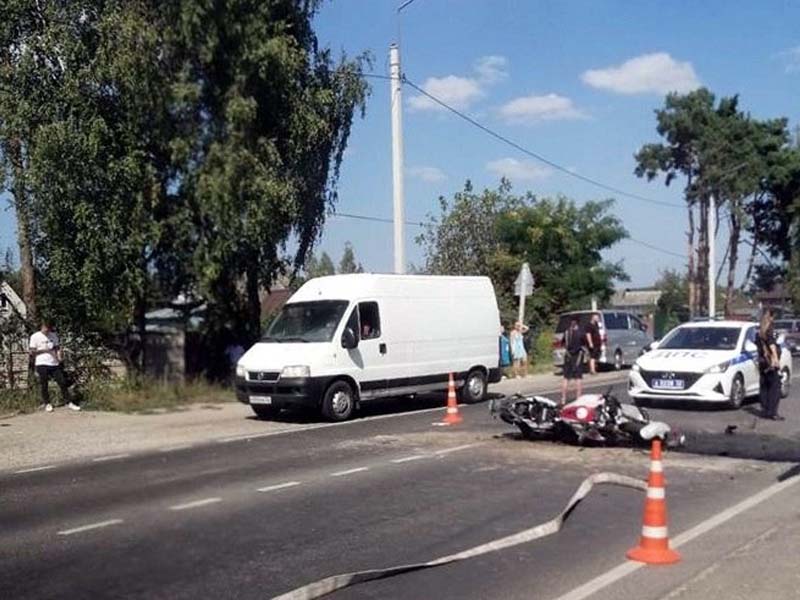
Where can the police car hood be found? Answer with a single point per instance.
(691, 361)
(273, 356)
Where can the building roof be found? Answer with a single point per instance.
(635, 297)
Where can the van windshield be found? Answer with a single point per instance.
(306, 322)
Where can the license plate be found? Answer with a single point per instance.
(668, 384)
(260, 399)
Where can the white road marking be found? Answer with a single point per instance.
(410, 458)
(171, 448)
(455, 449)
(34, 469)
(279, 486)
(610, 577)
(91, 526)
(110, 457)
(195, 503)
(349, 471)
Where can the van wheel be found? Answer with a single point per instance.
(618, 360)
(339, 402)
(737, 392)
(474, 388)
(264, 412)
(786, 382)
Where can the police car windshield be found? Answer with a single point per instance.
(702, 338)
(306, 322)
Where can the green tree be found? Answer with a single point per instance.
(494, 232)
(321, 267)
(348, 263)
(154, 148)
(672, 303)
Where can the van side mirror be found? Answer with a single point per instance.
(349, 339)
(750, 347)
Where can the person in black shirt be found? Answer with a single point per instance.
(769, 368)
(573, 360)
(594, 342)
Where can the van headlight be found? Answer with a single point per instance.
(636, 367)
(720, 368)
(241, 371)
(295, 371)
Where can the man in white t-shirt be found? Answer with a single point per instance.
(46, 350)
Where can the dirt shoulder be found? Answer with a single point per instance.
(40, 439)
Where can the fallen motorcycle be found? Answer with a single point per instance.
(591, 418)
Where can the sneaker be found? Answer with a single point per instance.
(73, 406)
(48, 407)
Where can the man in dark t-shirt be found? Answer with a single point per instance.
(573, 360)
(593, 342)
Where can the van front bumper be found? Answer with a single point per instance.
(300, 391)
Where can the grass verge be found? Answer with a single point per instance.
(140, 396)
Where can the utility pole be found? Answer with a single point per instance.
(396, 84)
(712, 269)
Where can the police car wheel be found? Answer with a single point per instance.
(737, 392)
(785, 382)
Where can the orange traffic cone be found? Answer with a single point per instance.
(452, 417)
(653, 546)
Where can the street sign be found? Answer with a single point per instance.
(523, 285)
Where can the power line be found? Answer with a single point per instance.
(418, 224)
(534, 155)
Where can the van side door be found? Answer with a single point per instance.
(372, 357)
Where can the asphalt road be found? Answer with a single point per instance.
(256, 517)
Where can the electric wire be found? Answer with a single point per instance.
(418, 224)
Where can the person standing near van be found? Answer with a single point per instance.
(504, 348)
(768, 368)
(45, 347)
(518, 354)
(573, 360)
(593, 342)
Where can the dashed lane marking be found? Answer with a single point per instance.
(279, 486)
(110, 457)
(196, 504)
(173, 448)
(455, 449)
(410, 458)
(35, 469)
(91, 526)
(349, 471)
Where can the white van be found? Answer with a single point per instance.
(346, 339)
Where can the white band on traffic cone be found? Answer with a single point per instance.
(656, 493)
(654, 532)
(656, 466)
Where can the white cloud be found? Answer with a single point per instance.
(650, 73)
(427, 174)
(518, 170)
(491, 69)
(458, 92)
(461, 92)
(531, 109)
(791, 59)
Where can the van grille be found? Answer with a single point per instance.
(270, 376)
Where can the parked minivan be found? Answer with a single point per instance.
(623, 335)
(347, 339)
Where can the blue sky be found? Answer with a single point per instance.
(575, 81)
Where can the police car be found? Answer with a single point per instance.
(714, 361)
